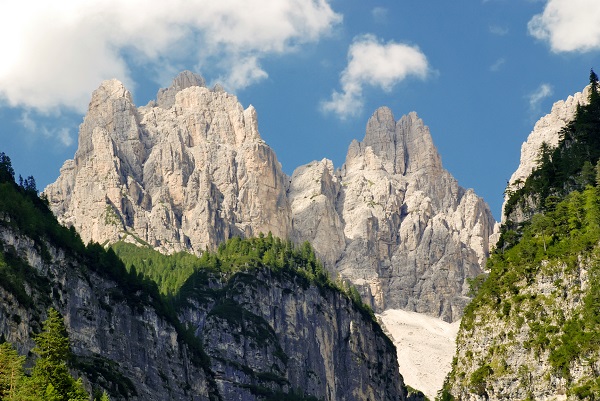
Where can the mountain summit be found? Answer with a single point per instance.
(190, 170)
(184, 173)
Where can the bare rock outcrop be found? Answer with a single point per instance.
(190, 170)
(186, 172)
(393, 221)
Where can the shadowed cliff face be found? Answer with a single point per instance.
(254, 336)
(190, 170)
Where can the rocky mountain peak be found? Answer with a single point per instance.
(421, 155)
(393, 221)
(185, 172)
(165, 97)
(110, 89)
(404, 146)
(191, 170)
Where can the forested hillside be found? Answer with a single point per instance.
(258, 319)
(569, 166)
(533, 328)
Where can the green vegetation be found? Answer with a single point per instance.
(560, 170)
(559, 240)
(182, 274)
(20, 207)
(161, 282)
(570, 238)
(169, 272)
(50, 379)
(413, 393)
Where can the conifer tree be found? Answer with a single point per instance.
(594, 86)
(7, 173)
(50, 377)
(11, 371)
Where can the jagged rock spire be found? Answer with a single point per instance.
(165, 97)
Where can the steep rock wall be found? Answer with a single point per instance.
(262, 334)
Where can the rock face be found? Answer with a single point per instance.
(506, 356)
(257, 335)
(190, 170)
(393, 221)
(186, 172)
(295, 337)
(546, 129)
(525, 336)
(123, 340)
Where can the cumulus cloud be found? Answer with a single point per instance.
(377, 64)
(55, 53)
(536, 97)
(568, 25)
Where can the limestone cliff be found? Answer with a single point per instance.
(511, 348)
(190, 170)
(393, 221)
(258, 336)
(185, 172)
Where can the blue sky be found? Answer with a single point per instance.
(479, 73)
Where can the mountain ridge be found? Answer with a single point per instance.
(190, 170)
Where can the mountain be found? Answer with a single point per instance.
(184, 172)
(189, 170)
(260, 332)
(546, 130)
(394, 221)
(532, 330)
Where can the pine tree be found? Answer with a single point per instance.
(50, 377)
(11, 371)
(7, 173)
(594, 86)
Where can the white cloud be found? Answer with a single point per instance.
(568, 25)
(380, 14)
(27, 122)
(372, 63)
(63, 134)
(243, 73)
(498, 64)
(55, 53)
(498, 30)
(536, 97)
